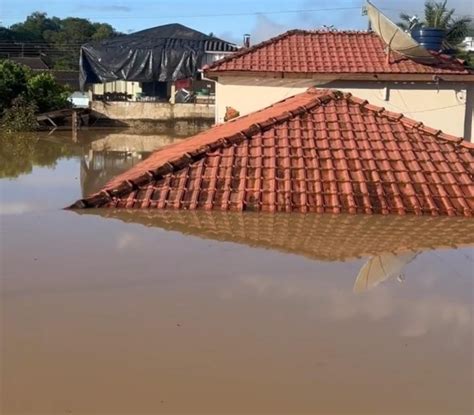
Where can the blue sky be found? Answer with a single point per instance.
(260, 18)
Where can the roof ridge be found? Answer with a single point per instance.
(410, 122)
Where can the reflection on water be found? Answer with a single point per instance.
(121, 312)
(103, 153)
(19, 152)
(381, 268)
(392, 242)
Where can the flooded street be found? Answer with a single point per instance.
(122, 312)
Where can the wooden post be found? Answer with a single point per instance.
(74, 126)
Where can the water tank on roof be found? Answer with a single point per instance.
(429, 38)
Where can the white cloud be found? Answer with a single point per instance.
(15, 208)
(127, 240)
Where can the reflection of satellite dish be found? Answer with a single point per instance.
(395, 38)
(381, 268)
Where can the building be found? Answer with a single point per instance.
(439, 95)
(320, 151)
(144, 66)
(139, 77)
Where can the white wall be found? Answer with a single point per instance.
(125, 87)
(442, 107)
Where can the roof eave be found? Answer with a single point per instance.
(346, 76)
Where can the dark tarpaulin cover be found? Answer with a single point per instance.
(162, 53)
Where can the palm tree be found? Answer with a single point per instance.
(437, 15)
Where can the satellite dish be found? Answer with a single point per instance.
(395, 38)
(381, 268)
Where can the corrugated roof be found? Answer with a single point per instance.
(319, 151)
(329, 52)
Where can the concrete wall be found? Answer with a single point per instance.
(447, 106)
(161, 111)
(177, 119)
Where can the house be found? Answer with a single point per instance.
(320, 151)
(440, 95)
(144, 65)
(137, 76)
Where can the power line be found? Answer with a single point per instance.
(255, 13)
(224, 14)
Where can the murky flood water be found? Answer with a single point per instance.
(119, 312)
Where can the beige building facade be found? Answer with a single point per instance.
(447, 106)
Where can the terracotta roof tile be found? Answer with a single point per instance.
(326, 52)
(320, 151)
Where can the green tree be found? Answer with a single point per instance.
(59, 40)
(20, 116)
(34, 26)
(23, 93)
(13, 82)
(438, 15)
(103, 31)
(46, 93)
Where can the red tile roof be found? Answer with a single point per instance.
(329, 52)
(319, 151)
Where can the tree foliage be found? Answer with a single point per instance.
(13, 82)
(60, 39)
(46, 93)
(24, 93)
(20, 116)
(438, 15)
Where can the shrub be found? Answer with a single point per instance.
(46, 93)
(24, 93)
(13, 82)
(20, 116)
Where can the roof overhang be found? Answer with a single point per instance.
(426, 77)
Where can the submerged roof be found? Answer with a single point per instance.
(319, 151)
(329, 52)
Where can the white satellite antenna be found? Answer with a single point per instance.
(395, 38)
(381, 268)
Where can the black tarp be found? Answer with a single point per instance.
(163, 53)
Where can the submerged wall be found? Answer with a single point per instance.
(160, 116)
(447, 106)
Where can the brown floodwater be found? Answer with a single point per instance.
(122, 312)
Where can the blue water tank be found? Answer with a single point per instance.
(429, 38)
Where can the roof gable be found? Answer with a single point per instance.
(329, 52)
(320, 151)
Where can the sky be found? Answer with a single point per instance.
(226, 19)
